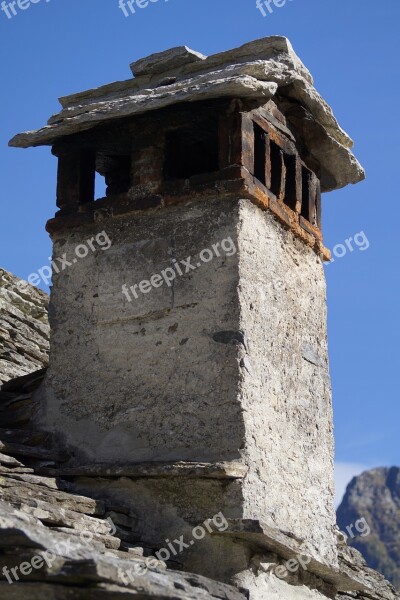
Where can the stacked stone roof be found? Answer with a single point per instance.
(24, 327)
(90, 546)
(260, 70)
(85, 547)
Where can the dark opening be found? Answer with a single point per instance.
(75, 178)
(276, 169)
(87, 176)
(191, 151)
(260, 140)
(116, 171)
(290, 185)
(305, 203)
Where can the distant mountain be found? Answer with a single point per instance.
(370, 516)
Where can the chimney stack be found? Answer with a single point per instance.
(189, 365)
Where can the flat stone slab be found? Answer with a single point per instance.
(223, 470)
(86, 569)
(165, 61)
(19, 492)
(259, 70)
(258, 533)
(145, 101)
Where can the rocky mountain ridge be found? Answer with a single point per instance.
(375, 497)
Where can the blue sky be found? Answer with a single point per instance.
(57, 47)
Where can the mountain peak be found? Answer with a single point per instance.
(375, 497)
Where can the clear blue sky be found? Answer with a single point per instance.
(352, 48)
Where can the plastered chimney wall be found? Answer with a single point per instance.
(152, 384)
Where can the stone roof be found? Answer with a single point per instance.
(258, 71)
(92, 549)
(24, 327)
(86, 548)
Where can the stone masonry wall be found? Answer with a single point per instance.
(145, 380)
(229, 363)
(286, 389)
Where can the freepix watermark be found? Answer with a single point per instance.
(174, 548)
(129, 7)
(357, 242)
(292, 566)
(179, 268)
(359, 528)
(61, 263)
(267, 6)
(10, 8)
(67, 547)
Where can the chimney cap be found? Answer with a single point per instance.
(258, 70)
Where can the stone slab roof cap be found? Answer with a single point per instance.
(259, 70)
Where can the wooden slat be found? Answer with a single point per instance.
(248, 143)
(299, 186)
(267, 161)
(283, 178)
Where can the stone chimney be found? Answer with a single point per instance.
(189, 366)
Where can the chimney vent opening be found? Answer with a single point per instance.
(100, 186)
(305, 204)
(191, 151)
(260, 149)
(113, 175)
